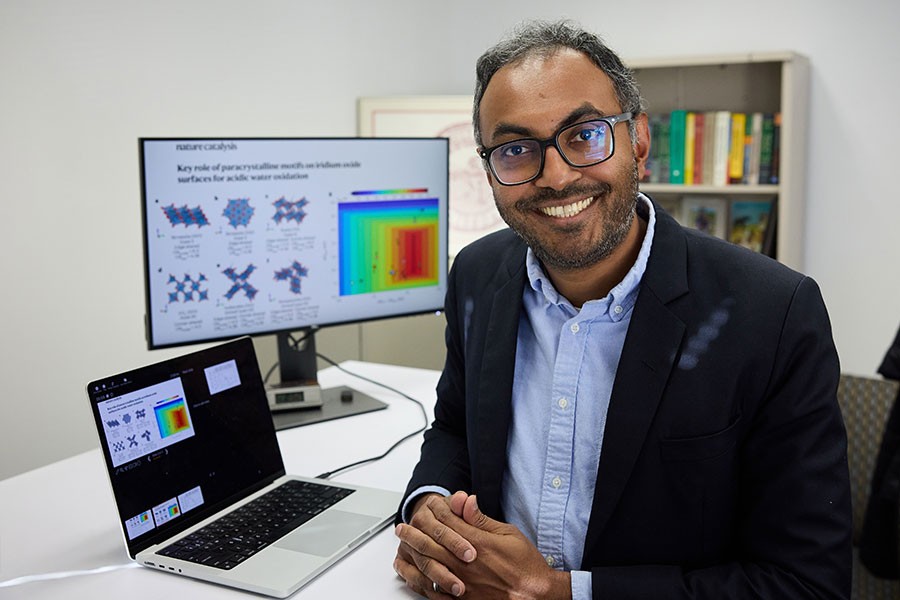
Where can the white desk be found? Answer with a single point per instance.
(62, 518)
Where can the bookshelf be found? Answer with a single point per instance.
(769, 82)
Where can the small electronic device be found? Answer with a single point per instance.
(294, 396)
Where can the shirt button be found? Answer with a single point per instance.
(556, 482)
(618, 310)
(550, 560)
(574, 327)
(563, 403)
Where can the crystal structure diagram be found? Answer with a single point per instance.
(289, 211)
(292, 275)
(239, 282)
(187, 289)
(238, 212)
(185, 216)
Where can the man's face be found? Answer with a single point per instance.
(534, 98)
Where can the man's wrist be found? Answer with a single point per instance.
(560, 586)
(556, 586)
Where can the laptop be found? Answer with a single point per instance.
(199, 482)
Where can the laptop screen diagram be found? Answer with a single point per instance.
(183, 442)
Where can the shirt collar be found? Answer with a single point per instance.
(623, 295)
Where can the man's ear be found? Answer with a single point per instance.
(642, 145)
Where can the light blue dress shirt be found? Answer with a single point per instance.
(566, 361)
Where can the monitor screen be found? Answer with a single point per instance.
(258, 236)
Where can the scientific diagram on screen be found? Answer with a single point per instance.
(388, 245)
(280, 234)
(146, 420)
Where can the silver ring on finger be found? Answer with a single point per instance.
(435, 587)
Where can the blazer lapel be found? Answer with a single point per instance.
(652, 342)
(498, 363)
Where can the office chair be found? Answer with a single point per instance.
(865, 403)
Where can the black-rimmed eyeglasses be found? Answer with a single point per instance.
(583, 144)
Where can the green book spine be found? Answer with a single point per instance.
(662, 142)
(766, 148)
(677, 125)
(776, 146)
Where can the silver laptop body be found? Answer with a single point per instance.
(190, 440)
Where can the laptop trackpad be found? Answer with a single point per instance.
(327, 533)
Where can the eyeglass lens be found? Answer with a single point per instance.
(582, 144)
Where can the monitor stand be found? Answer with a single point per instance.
(297, 363)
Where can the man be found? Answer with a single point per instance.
(630, 409)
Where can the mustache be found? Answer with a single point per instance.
(546, 195)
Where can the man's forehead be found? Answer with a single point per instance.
(583, 112)
(541, 92)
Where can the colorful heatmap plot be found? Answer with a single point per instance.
(171, 416)
(387, 244)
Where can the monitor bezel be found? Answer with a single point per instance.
(148, 325)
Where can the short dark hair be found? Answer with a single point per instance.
(545, 38)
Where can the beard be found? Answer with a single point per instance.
(616, 203)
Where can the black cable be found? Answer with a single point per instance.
(329, 474)
(296, 343)
(269, 374)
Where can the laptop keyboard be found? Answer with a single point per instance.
(229, 541)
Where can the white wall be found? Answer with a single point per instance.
(81, 81)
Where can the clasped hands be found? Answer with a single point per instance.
(450, 548)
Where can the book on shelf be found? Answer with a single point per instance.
(767, 148)
(748, 142)
(665, 134)
(709, 134)
(699, 141)
(677, 121)
(716, 148)
(722, 145)
(689, 138)
(659, 149)
(736, 151)
(754, 128)
(776, 144)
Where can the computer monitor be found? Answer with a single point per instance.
(257, 236)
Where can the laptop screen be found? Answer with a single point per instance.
(184, 438)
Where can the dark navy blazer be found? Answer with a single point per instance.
(723, 471)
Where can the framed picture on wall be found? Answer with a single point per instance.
(708, 214)
(472, 210)
(749, 223)
(670, 204)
